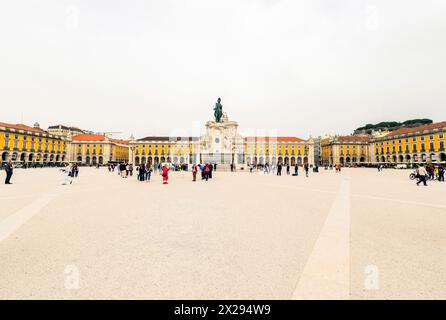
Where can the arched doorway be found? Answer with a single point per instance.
(383, 159)
(143, 160)
(293, 161)
(31, 157)
(361, 159)
(341, 160)
(442, 157)
(408, 158)
(305, 160)
(87, 160)
(4, 156)
(347, 159)
(94, 159)
(22, 157)
(137, 160)
(101, 160)
(299, 161)
(14, 156)
(79, 159)
(400, 158)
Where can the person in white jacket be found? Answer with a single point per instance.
(68, 175)
(422, 173)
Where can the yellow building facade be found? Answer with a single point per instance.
(411, 145)
(31, 145)
(177, 150)
(92, 149)
(345, 150)
(277, 150)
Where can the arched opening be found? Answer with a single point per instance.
(4, 156)
(341, 160)
(182, 160)
(137, 160)
(443, 157)
(163, 159)
(143, 160)
(280, 161)
(274, 161)
(347, 159)
(400, 158)
(94, 160)
(383, 159)
(415, 158)
(14, 156)
(361, 159)
(22, 157)
(157, 160)
(377, 158)
(305, 160)
(423, 157)
(57, 158)
(51, 157)
(175, 160)
(293, 161)
(433, 157)
(407, 158)
(87, 160)
(287, 161)
(38, 157)
(354, 159)
(101, 160)
(79, 159)
(31, 157)
(299, 161)
(45, 157)
(149, 160)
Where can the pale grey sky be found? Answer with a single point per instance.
(288, 66)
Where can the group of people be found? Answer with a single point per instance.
(206, 170)
(71, 171)
(429, 172)
(277, 169)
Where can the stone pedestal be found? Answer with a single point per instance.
(221, 143)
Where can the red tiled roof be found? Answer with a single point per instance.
(119, 141)
(406, 130)
(278, 139)
(353, 138)
(20, 126)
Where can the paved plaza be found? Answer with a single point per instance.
(359, 234)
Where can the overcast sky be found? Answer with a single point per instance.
(280, 66)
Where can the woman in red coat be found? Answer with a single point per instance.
(165, 174)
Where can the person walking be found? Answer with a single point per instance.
(288, 168)
(421, 174)
(165, 174)
(9, 168)
(68, 174)
(296, 170)
(279, 169)
(206, 172)
(142, 172)
(148, 171)
(131, 169)
(194, 172)
(211, 168)
(440, 174)
(306, 169)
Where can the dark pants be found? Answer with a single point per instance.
(441, 177)
(8, 177)
(279, 172)
(422, 179)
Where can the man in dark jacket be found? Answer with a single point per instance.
(9, 169)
